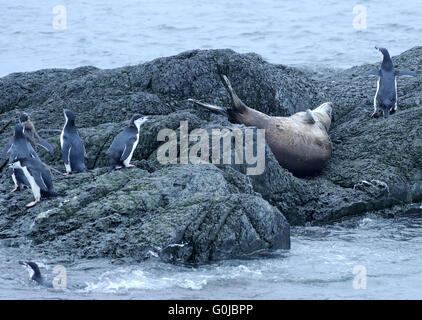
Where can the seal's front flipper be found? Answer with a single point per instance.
(238, 104)
(213, 108)
(405, 72)
(309, 117)
(374, 72)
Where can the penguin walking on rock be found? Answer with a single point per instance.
(73, 150)
(386, 96)
(123, 146)
(36, 175)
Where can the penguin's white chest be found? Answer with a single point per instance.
(61, 139)
(126, 162)
(67, 166)
(36, 190)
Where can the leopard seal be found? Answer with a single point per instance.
(300, 143)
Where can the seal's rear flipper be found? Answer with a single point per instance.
(213, 108)
(405, 72)
(238, 104)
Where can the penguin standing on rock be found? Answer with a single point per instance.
(121, 150)
(37, 176)
(386, 96)
(20, 148)
(73, 150)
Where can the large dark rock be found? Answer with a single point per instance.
(200, 213)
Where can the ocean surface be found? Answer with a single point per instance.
(108, 33)
(323, 263)
(365, 258)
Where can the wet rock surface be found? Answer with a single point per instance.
(200, 213)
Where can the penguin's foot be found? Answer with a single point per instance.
(130, 166)
(66, 173)
(375, 114)
(15, 189)
(33, 203)
(117, 167)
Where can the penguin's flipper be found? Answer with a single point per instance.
(43, 143)
(405, 72)
(374, 72)
(38, 179)
(213, 108)
(128, 148)
(6, 148)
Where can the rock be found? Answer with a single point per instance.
(200, 213)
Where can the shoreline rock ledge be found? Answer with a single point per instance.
(202, 213)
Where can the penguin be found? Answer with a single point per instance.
(386, 95)
(21, 148)
(35, 273)
(121, 150)
(38, 176)
(73, 150)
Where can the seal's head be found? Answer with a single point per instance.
(324, 113)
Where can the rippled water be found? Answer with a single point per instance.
(115, 33)
(319, 265)
(111, 34)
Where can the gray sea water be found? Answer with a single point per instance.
(111, 33)
(324, 262)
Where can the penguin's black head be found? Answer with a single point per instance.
(134, 118)
(69, 115)
(19, 131)
(23, 117)
(386, 62)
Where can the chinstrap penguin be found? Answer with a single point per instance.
(73, 150)
(385, 99)
(123, 146)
